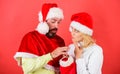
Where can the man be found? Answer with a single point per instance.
(40, 50)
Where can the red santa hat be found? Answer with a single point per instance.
(49, 10)
(82, 22)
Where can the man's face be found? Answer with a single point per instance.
(53, 24)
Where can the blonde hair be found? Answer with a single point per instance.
(87, 40)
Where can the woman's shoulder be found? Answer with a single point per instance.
(96, 48)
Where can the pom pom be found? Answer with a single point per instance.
(42, 28)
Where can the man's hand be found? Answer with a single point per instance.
(59, 51)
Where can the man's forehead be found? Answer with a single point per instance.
(56, 19)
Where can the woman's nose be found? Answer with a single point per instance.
(72, 33)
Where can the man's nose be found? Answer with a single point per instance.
(56, 25)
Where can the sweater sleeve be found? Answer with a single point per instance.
(94, 64)
(30, 65)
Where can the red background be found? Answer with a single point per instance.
(17, 17)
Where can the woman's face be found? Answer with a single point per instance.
(76, 35)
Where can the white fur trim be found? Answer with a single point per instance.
(55, 12)
(42, 28)
(80, 27)
(40, 17)
(66, 63)
(24, 55)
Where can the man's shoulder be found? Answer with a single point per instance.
(60, 40)
(32, 33)
(58, 37)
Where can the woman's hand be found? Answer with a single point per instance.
(78, 50)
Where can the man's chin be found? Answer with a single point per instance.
(53, 32)
(50, 34)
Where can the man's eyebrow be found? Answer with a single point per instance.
(54, 19)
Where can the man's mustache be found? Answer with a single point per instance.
(54, 29)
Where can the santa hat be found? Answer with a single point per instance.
(82, 22)
(49, 10)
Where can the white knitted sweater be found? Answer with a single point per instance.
(91, 60)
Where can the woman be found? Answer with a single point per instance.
(87, 55)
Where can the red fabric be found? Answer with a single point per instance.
(69, 69)
(83, 18)
(39, 44)
(45, 9)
